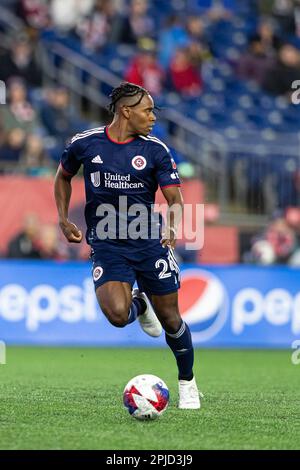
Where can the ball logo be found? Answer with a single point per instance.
(203, 303)
(97, 273)
(139, 162)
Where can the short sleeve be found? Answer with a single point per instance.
(69, 161)
(166, 170)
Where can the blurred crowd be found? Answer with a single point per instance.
(36, 122)
(172, 56)
(32, 137)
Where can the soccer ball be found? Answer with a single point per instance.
(146, 397)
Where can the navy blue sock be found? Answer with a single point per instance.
(182, 347)
(138, 307)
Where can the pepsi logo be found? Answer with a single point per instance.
(97, 273)
(139, 162)
(203, 303)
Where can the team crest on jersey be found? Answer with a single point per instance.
(139, 162)
(95, 178)
(97, 273)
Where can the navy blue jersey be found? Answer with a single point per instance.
(131, 170)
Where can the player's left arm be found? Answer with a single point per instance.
(174, 199)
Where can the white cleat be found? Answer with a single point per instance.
(189, 395)
(148, 320)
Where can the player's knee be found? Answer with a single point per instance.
(172, 326)
(117, 315)
(171, 323)
(118, 322)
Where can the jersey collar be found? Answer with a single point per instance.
(115, 141)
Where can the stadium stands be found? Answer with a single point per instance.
(247, 151)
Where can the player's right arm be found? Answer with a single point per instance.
(62, 192)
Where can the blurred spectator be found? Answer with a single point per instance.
(199, 48)
(171, 38)
(11, 148)
(219, 12)
(185, 78)
(279, 78)
(25, 243)
(277, 245)
(197, 54)
(137, 23)
(34, 160)
(270, 41)
(35, 13)
(20, 62)
(58, 117)
(254, 64)
(67, 14)
(18, 113)
(284, 13)
(195, 28)
(100, 27)
(144, 70)
(261, 54)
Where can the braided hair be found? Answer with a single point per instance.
(124, 90)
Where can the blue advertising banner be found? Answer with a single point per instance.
(53, 303)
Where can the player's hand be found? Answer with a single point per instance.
(169, 238)
(71, 232)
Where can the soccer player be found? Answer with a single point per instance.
(123, 166)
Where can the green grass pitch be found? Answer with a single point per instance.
(55, 398)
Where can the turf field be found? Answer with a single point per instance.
(72, 399)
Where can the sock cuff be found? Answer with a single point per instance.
(179, 332)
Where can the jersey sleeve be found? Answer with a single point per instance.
(69, 161)
(166, 170)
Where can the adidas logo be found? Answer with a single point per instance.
(97, 159)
